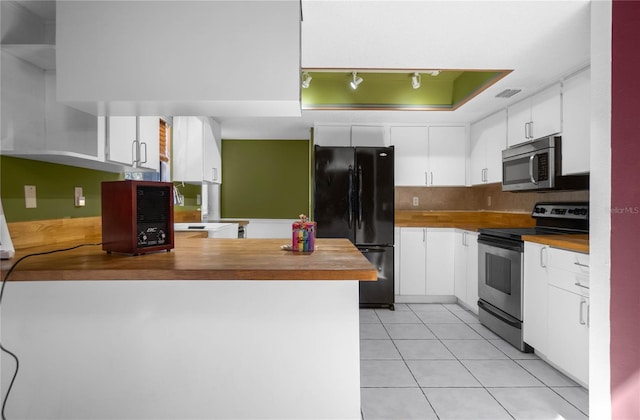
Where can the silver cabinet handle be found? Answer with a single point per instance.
(582, 304)
(145, 153)
(426, 178)
(581, 285)
(135, 152)
(424, 235)
(431, 178)
(542, 262)
(579, 264)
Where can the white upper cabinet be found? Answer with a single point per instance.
(137, 58)
(411, 150)
(212, 156)
(537, 116)
(196, 150)
(350, 135)
(134, 141)
(488, 139)
(332, 135)
(576, 129)
(430, 155)
(368, 136)
(447, 156)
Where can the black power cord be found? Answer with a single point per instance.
(4, 282)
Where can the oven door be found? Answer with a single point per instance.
(500, 274)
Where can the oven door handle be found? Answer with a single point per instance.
(502, 317)
(501, 243)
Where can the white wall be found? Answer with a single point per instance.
(600, 217)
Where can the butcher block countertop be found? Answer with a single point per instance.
(468, 220)
(200, 259)
(572, 242)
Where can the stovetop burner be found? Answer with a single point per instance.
(551, 219)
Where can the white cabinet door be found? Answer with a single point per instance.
(411, 150)
(211, 158)
(447, 153)
(187, 146)
(519, 118)
(488, 138)
(568, 323)
(121, 140)
(440, 262)
(466, 268)
(460, 266)
(368, 136)
(576, 100)
(471, 242)
(544, 111)
(536, 280)
(412, 271)
(149, 142)
(133, 141)
(332, 135)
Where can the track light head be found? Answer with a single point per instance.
(306, 80)
(355, 81)
(416, 80)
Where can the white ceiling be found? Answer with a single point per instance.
(542, 41)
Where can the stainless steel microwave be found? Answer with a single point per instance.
(532, 166)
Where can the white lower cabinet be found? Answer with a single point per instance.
(568, 339)
(536, 281)
(466, 268)
(556, 308)
(425, 260)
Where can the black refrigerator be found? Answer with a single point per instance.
(354, 199)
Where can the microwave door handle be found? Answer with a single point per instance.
(531, 159)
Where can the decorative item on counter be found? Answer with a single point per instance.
(303, 235)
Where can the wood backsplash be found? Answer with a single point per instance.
(480, 197)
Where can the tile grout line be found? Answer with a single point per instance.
(407, 366)
(487, 389)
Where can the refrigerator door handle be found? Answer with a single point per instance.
(359, 197)
(350, 196)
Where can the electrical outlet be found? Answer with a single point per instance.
(198, 199)
(489, 201)
(416, 201)
(30, 201)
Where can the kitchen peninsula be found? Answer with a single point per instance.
(215, 328)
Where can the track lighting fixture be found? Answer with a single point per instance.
(433, 72)
(306, 80)
(416, 79)
(355, 81)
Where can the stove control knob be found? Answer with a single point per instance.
(542, 210)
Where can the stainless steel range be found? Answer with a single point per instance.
(500, 267)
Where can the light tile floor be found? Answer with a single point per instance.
(436, 361)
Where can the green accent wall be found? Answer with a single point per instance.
(54, 189)
(265, 179)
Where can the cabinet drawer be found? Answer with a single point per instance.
(569, 271)
(574, 262)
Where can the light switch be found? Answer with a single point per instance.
(30, 197)
(78, 197)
